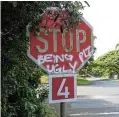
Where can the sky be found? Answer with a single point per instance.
(103, 15)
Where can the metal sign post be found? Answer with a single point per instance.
(62, 109)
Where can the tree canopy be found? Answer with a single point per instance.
(108, 64)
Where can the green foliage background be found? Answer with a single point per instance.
(108, 64)
(20, 76)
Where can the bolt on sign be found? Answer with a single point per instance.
(61, 52)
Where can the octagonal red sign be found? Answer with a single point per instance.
(58, 52)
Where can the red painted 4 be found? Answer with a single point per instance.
(62, 88)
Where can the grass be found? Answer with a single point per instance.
(80, 81)
(44, 79)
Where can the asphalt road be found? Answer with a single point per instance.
(101, 99)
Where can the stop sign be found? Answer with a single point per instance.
(58, 52)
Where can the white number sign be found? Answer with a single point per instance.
(62, 88)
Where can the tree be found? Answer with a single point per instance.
(20, 76)
(87, 69)
(108, 64)
(117, 46)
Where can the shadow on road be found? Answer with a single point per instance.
(105, 83)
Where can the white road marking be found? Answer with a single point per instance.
(103, 96)
(106, 113)
(97, 96)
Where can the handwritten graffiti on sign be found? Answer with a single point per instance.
(56, 59)
(59, 52)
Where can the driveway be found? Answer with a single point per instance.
(101, 99)
(107, 87)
